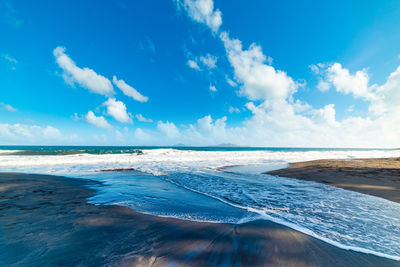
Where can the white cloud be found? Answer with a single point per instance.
(387, 97)
(193, 64)
(231, 82)
(168, 129)
(281, 120)
(300, 107)
(51, 132)
(117, 110)
(129, 90)
(203, 62)
(325, 115)
(85, 77)
(8, 107)
(209, 61)
(285, 123)
(203, 11)
(100, 121)
(343, 81)
(142, 136)
(143, 119)
(314, 68)
(206, 124)
(382, 98)
(27, 134)
(9, 58)
(259, 80)
(12, 62)
(269, 60)
(212, 88)
(233, 110)
(77, 117)
(346, 83)
(323, 86)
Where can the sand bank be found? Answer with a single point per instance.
(377, 177)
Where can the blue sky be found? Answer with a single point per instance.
(200, 72)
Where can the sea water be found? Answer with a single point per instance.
(226, 185)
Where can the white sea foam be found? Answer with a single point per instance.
(334, 215)
(346, 219)
(162, 161)
(3, 151)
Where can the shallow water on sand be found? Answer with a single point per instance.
(192, 185)
(343, 218)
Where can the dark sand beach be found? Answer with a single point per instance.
(377, 177)
(46, 221)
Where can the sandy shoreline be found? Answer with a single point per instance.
(377, 177)
(47, 220)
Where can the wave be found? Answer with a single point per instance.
(343, 218)
(63, 152)
(98, 150)
(161, 161)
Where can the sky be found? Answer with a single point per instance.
(200, 72)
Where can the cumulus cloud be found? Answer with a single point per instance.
(278, 119)
(193, 64)
(259, 80)
(212, 88)
(382, 98)
(8, 107)
(209, 61)
(208, 125)
(233, 110)
(299, 106)
(143, 119)
(314, 68)
(323, 86)
(200, 63)
(85, 77)
(386, 99)
(143, 137)
(343, 81)
(231, 82)
(129, 90)
(325, 115)
(202, 11)
(168, 129)
(28, 134)
(117, 110)
(99, 121)
(294, 123)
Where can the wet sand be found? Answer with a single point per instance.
(46, 220)
(377, 177)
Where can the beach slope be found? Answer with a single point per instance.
(46, 220)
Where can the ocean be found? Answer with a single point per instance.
(225, 185)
